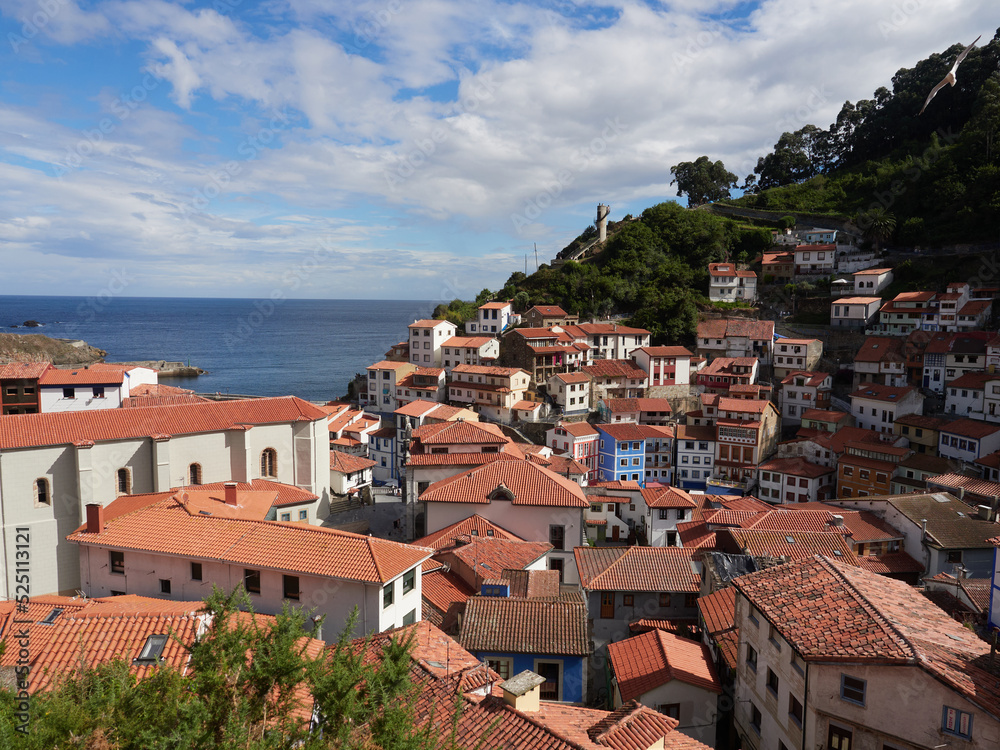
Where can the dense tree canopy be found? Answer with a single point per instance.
(702, 180)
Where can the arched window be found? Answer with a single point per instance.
(124, 481)
(194, 474)
(269, 462)
(43, 493)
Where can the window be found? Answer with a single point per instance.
(194, 474)
(754, 615)
(286, 516)
(663, 514)
(303, 515)
(195, 571)
(794, 709)
(852, 689)
(251, 580)
(117, 562)
(387, 592)
(269, 462)
(557, 537)
(164, 585)
(501, 666)
(410, 617)
(772, 681)
(797, 664)
(958, 723)
(409, 581)
(69, 392)
(152, 649)
(755, 718)
(290, 587)
(628, 600)
(43, 495)
(673, 710)
(124, 477)
(751, 657)
(681, 513)
(773, 637)
(98, 391)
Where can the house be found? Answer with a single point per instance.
(470, 350)
(179, 545)
(735, 337)
(778, 267)
(383, 378)
(747, 433)
(727, 283)
(425, 383)
(866, 468)
(607, 340)
(52, 465)
(826, 420)
(665, 507)
(905, 313)
(382, 450)
(921, 430)
(440, 450)
(579, 440)
(782, 544)
(492, 319)
(854, 312)
(546, 316)
(674, 675)
(912, 472)
(626, 584)
(795, 480)
(634, 452)
(868, 645)
(965, 395)
(542, 352)
(19, 387)
(722, 373)
(871, 281)
(427, 339)
(492, 391)
(416, 414)
(815, 259)
(528, 500)
(90, 387)
(949, 356)
(616, 378)
(664, 365)
(570, 391)
(938, 529)
(796, 354)
(696, 448)
(875, 406)
(546, 634)
(349, 474)
(802, 391)
(973, 491)
(880, 360)
(967, 440)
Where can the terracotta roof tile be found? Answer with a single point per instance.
(615, 368)
(667, 497)
(970, 428)
(530, 485)
(473, 526)
(666, 351)
(460, 433)
(718, 610)
(23, 370)
(81, 376)
(490, 557)
(792, 544)
(890, 563)
(659, 569)
(645, 662)
(526, 626)
(578, 429)
(347, 463)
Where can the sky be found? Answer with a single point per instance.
(412, 149)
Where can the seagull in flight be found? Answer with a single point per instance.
(950, 78)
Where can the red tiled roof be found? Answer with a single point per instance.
(23, 370)
(285, 494)
(824, 415)
(667, 497)
(890, 563)
(503, 372)
(346, 463)
(645, 662)
(923, 421)
(718, 610)
(530, 485)
(970, 428)
(872, 272)
(572, 377)
(429, 409)
(387, 364)
(696, 535)
(551, 625)
(427, 323)
(813, 378)
(878, 392)
(473, 526)
(467, 342)
(798, 467)
(615, 368)
(444, 590)
(969, 484)
(665, 351)
(659, 569)
(974, 380)
(549, 311)
(166, 527)
(457, 433)
(856, 301)
(82, 376)
(490, 557)
(792, 544)
(60, 428)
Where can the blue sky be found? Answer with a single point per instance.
(394, 148)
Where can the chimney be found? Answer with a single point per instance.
(961, 493)
(230, 493)
(95, 518)
(317, 631)
(836, 520)
(984, 512)
(523, 691)
(923, 528)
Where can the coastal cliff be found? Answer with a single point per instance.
(34, 347)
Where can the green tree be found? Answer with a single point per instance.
(702, 180)
(876, 224)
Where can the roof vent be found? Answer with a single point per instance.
(523, 691)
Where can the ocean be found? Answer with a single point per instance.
(305, 348)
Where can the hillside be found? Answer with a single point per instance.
(653, 271)
(34, 347)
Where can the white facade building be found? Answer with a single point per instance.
(727, 283)
(492, 319)
(427, 339)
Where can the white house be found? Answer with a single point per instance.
(52, 465)
(348, 473)
(968, 440)
(570, 391)
(382, 380)
(427, 339)
(98, 386)
(727, 283)
(854, 312)
(526, 499)
(871, 281)
(965, 396)
(492, 391)
(492, 319)
(607, 340)
(182, 544)
(796, 354)
(802, 391)
(815, 260)
(470, 350)
(579, 440)
(875, 406)
(665, 507)
(695, 456)
(795, 480)
(665, 365)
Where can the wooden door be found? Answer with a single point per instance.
(607, 605)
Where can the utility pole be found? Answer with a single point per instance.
(536, 255)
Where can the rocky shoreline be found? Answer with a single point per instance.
(36, 347)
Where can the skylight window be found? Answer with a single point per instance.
(790, 540)
(51, 616)
(152, 649)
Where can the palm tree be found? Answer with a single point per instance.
(877, 225)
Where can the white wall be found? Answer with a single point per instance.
(52, 399)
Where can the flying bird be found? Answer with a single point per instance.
(950, 78)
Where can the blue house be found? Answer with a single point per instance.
(621, 452)
(546, 635)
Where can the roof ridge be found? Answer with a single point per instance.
(869, 607)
